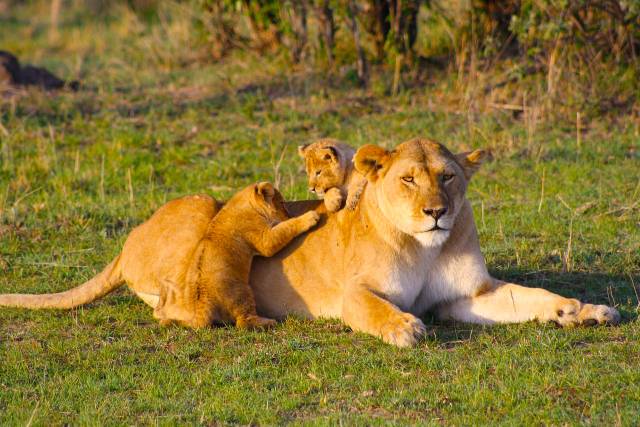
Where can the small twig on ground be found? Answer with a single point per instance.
(635, 290)
(33, 414)
(511, 107)
(130, 185)
(566, 259)
(21, 198)
(76, 163)
(541, 190)
(52, 264)
(102, 179)
(578, 135)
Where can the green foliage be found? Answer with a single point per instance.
(609, 28)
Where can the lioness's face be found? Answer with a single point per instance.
(420, 186)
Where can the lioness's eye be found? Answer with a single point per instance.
(327, 157)
(318, 172)
(407, 178)
(447, 177)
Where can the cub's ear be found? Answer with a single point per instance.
(471, 161)
(265, 190)
(370, 160)
(332, 153)
(302, 150)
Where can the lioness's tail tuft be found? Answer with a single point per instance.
(104, 282)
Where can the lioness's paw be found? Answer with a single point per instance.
(333, 199)
(404, 331)
(309, 219)
(573, 313)
(591, 315)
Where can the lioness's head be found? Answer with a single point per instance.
(327, 162)
(268, 201)
(419, 186)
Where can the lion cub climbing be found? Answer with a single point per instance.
(329, 166)
(216, 287)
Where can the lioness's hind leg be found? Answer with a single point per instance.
(173, 305)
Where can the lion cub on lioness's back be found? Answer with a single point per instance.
(253, 222)
(329, 166)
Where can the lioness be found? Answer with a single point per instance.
(215, 286)
(330, 173)
(409, 245)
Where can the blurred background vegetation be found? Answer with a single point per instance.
(555, 56)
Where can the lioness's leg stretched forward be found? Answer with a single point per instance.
(511, 303)
(365, 311)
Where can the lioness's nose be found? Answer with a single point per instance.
(435, 213)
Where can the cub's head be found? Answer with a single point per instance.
(268, 201)
(420, 186)
(327, 162)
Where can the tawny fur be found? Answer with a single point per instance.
(377, 267)
(191, 259)
(253, 222)
(330, 172)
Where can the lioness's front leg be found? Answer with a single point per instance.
(365, 311)
(511, 303)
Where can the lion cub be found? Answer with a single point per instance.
(253, 222)
(329, 166)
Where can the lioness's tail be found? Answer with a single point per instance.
(104, 282)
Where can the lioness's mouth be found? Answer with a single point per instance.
(437, 228)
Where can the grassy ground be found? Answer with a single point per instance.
(78, 171)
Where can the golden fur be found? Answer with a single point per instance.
(191, 259)
(215, 289)
(331, 175)
(377, 267)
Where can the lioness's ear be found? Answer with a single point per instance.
(302, 149)
(471, 161)
(369, 160)
(265, 190)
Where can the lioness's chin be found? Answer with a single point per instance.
(432, 238)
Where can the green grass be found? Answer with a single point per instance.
(66, 206)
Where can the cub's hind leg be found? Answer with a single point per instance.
(236, 298)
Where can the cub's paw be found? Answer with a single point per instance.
(309, 219)
(333, 199)
(572, 313)
(165, 322)
(403, 331)
(255, 322)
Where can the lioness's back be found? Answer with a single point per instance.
(161, 245)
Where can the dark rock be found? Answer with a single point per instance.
(13, 74)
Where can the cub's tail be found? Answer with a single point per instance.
(104, 282)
